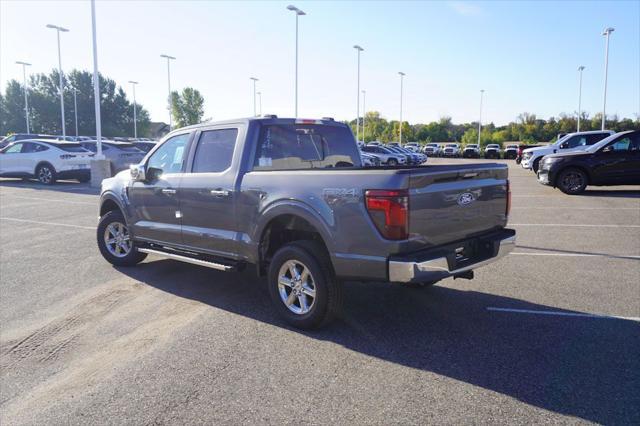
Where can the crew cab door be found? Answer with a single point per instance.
(619, 161)
(154, 201)
(207, 193)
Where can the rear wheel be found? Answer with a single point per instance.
(392, 162)
(46, 174)
(572, 181)
(303, 286)
(114, 241)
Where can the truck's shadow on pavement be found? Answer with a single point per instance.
(583, 367)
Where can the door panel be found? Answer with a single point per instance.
(10, 159)
(207, 197)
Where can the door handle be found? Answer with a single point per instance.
(168, 191)
(220, 192)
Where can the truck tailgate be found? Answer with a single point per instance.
(451, 205)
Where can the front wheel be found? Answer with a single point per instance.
(535, 166)
(392, 162)
(572, 181)
(303, 286)
(114, 241)
(46, 174)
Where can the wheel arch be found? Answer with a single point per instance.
(109, 203)
(580, 167)
(43, 163)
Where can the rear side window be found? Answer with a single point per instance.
(591, 139)
(215, 151)
(305, 146)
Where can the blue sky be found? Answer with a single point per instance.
(524, 54)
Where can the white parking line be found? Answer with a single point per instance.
(37, 222)
(49, 199)
(575, 255)
(560, 313)
(574, 225)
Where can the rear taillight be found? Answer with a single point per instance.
(508, 209)
(389, 210)
(67, 156)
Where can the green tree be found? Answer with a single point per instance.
(187, 107)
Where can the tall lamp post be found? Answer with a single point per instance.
(26, 97)
(75, 108)
(260, 102)
(401, 86)
(135, 118)
(580, 69)
(169, 58)
(480, 119)
(254, 94)
(364, 111)
(607, 32)
(298, 13)
(359, 49)
(58, 30)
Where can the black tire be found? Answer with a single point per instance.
(392, 162)
(132, 258)
(327, 302)
(572, 181)
(535, 165)
(46, 174)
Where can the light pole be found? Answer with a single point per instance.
(607, 32)
(75, 107)
(298, 13)
(26, 98)
(480, 119)
(359, 49)
(260, 102)
(254, 94)
(364, 111)
(58, 30)
(169, 58)
(580, 69)
(135, 119)
(401, 83)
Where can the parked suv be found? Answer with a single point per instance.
(46, 160)
(386, 156)
(290, 199)
(511, 151)
(432, 150)
(120, 154)
(612, 161)
(570, 142)
(451, 150)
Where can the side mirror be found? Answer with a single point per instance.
(564, 145)
(153, 174)
(137, 172)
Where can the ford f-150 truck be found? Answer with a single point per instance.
(290, 198)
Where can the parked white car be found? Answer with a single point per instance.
(46, 160)
(412, 146)
(511, 151)
(452, 150)
(578, 141)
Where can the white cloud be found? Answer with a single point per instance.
(466, 8)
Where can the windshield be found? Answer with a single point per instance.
(472, 146)
(603, 142)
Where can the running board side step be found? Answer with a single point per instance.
(186, 259)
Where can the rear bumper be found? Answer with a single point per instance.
(453, 259)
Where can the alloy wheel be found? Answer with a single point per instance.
(117, 239)
(296, 287)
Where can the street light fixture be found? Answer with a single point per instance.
(169, 58)
(607, 32)
(401, 83)
(580, 69)
(359, 49)
(298, 13)
(480, 119)
(26, 98)
(364, 111)
(58, 31)
(254, 94)
(135, 119)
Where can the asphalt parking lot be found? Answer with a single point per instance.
(549, 334)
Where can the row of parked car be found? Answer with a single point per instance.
(577, 160)
(393, 154)
(48, 158)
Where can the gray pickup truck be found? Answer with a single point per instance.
(291, 198)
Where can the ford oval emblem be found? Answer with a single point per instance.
(466, 198)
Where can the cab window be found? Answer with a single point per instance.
(169, 157)
(215, 151)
